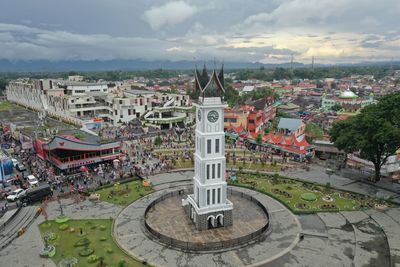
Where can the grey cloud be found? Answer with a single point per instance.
(183, 29)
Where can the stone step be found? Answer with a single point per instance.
(391, 228)
(6, 217)
(372, 248)
(341, 242)
(22, 214)
(27, 216)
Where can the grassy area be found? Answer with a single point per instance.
(180, 164)
(254, 166)
(124, 194)
(4, 106)
(98, 232)
(303, 197)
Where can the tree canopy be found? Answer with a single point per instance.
(374, 132)
(313, 132)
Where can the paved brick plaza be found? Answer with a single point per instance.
(169, 218)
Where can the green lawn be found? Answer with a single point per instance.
(4, 106)
(254, 166)
(294, 194)
(98, 232)
(180, 164)
(124, 194)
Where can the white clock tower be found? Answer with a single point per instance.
(208, 206)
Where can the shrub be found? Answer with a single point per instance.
(102, 227)
(103, 238)
(62, 219)
(86, 252)
(93, 227)
(308, 197)
(63, 227)
(50, 236)
(109, 250)
(82, 242)
(92, 258)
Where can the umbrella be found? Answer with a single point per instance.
(83, 169)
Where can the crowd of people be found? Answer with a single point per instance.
(145, 154)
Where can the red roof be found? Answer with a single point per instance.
(247, 108)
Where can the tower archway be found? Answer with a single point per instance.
(220, 220)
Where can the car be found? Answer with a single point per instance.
(16, 194)
(20, 167)
(32, 180)
(15, 162)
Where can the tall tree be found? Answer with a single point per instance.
(374, 132)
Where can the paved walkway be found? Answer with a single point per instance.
(130, 235)
(330, 239)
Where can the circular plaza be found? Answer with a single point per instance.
(168, 218)
(167, 222)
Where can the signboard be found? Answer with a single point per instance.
(6, 168)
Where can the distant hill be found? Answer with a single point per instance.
(138, 64)
(97, 65)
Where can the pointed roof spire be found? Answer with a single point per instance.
(221, 75)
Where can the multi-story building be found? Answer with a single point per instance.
(347, 100)
(79, 102)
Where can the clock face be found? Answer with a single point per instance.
(212, 116)
(199, 115)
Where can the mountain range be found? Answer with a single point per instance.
(138, 64)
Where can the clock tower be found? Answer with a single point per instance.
(208, 206)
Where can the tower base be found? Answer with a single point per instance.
(211, 220)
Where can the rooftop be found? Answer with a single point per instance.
(290, 124)
(348, 94)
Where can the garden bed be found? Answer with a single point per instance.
(97, 244)
(124, 194)
(294, 193)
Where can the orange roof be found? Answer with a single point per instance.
(301, 143)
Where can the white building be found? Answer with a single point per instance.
(79, 103)
(208, 206)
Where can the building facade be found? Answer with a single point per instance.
(347, 101)
(79, 102)
(208, 206)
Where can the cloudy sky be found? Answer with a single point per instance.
(268, 31)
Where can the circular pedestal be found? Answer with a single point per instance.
(167, 221)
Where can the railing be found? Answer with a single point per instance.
(192, 246)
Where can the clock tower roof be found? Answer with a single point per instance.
(214, 87)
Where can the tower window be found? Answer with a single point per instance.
(208, 197)
(219, 195)
(208, 171)
(213, 196)
(209, 146)
(219, 170)
(213, 171)
(216, 145)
